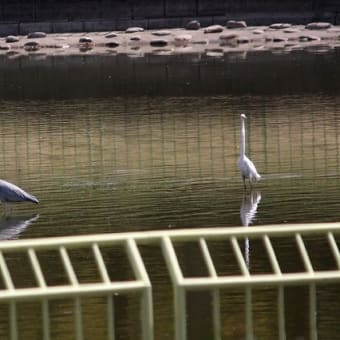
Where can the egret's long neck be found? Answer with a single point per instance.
(243, 138)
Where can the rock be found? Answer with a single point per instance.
(112, 44)
(318, 26)
(215, 53)
(11, 39)
(36, 35)
(279, 26)
(200, 42)
(258, 31)
(290, 30)
(63, 46)
(293, 38)
(193, 25)
(182, 39)
(308, 38)
(236, 24)
(85, 40)
(161, 33)
(243, 40)
(279, 39)
(162, 51)
(228, 36)
(111, 35)
(213, 29)
(158, 42)
(228, 39)
(5, 47)
(85, 48)
(32, 46)
(134, 29)
(136, 38)
(12, 54)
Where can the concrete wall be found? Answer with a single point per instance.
(87, 15)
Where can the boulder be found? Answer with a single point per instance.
(111, 35)
(5, 47)
(12, 39)
(64, 46)
(182, 39)
(161, 33)
(243, 40)
(193, 25)
(258, 32)
(279, 26)
(32, 46)
(213, 29)
(279, 39)
(200, 42)
(112, 44)
(318, 26)
(158, 42)
(134, 29)
(36, 35)
(308, 38)
(85, 40)
(236, 24)
(228, 36)
(136, 38)
(215, 53)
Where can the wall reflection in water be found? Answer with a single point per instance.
(225, 310)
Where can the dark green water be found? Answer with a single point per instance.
(160, 152)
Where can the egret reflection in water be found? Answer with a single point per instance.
(248, 212)
(249, 207)
(12, 226)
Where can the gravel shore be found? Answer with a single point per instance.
(215, 40)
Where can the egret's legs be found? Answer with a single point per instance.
(244, 183)
(8, 209)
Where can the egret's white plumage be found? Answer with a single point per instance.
(246, 166)
(10, 193)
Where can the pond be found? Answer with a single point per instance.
(114, 144)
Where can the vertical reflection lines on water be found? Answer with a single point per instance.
(81, 156)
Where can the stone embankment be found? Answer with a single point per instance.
(214, 40)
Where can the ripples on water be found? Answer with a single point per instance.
(121, 163)
(152, 163)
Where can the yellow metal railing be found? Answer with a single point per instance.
(141, 284)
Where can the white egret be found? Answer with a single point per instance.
(246, 166)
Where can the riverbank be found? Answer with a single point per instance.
(214, 40)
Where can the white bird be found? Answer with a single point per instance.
(10, 193)
(246, 166)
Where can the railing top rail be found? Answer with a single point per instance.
(150, 237)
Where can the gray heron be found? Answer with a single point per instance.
(10, 193)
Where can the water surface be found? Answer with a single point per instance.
(164, 157)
